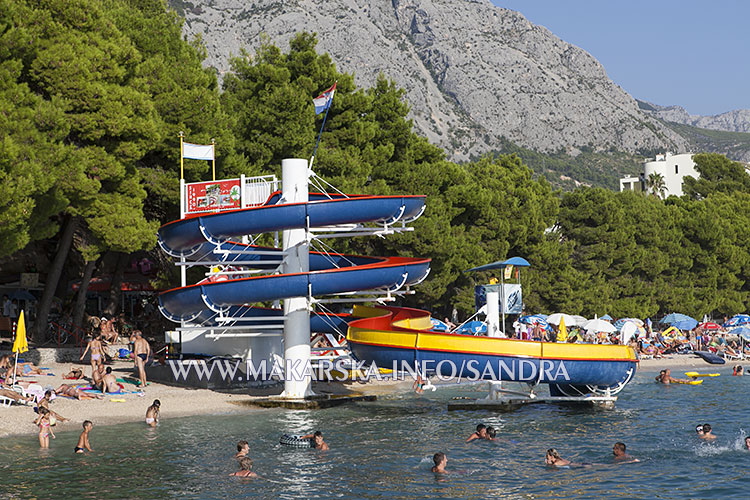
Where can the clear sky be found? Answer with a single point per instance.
(692, 53)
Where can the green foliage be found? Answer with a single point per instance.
(717, 175)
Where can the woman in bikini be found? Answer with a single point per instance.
(44, 428)
(96, 352)
(74, 392)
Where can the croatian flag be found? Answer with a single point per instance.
(323, 101)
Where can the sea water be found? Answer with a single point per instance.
(384, 449)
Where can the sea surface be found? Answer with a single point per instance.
(384, 449)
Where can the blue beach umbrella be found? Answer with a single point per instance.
(738, 320)
(438, 326)
(742, 331)
(606, 317)
(535, 319)
(621, 322)
(472, 328)
(680, 321)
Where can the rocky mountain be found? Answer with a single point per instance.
(731, 121)
(474, 73)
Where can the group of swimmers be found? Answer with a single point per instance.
(552, 457)
(246, 463)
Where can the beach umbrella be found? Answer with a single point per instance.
(681, 321)
(599, 325)
(607, 317)
(20, 294)
(738, 320)
(557, 318)
(472, 328)
(20, 344)
(741, 331)
(710, 326)
(580, 320)
(534, 319)
(621, 322)
(438, 326)
(562, 332)
(631, 329)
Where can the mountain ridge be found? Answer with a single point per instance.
(474, 74)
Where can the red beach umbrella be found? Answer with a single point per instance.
(710, 326)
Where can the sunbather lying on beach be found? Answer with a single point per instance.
(72, 391)
(74, 374)
(8, 393)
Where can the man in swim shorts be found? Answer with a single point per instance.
(618, 450)
(481, 433)
(707, 435)
(440, 462)
(142, 351)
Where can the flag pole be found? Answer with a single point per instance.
(325, 117)
(182, 168)
(213, 160)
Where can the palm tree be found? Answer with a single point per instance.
(655, 184)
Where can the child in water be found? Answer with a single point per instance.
(83, 440)
(152, 414)
(44, 427)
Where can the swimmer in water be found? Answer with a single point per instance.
(553, 458)
(318, 442)
(699, 431)
(747, 443)
(491, 433)
(481, 433)
(665, 377)
(618, 450)
(707, 435)
(440, 462)
(243, 448)
(246, 463)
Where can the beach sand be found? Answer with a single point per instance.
(181, 401)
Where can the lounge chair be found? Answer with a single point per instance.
(6, 401)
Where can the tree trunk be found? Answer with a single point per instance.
(80, 306)
(113, 306)
(53, 277)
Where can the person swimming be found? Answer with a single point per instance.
(491, 433)
(747, 443)
(618, 450)
(481, 433)
(707, 435)
(665, 377)
(243, 448)
(318, 442)
(553, 458)
(440, 460)
(246, 463)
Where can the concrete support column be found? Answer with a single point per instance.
(493, 312)
(298, 377)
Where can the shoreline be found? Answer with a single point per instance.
(177, 402)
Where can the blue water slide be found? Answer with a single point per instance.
(330, 273)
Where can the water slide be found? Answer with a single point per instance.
(214, 237)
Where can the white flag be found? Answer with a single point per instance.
(197, 151)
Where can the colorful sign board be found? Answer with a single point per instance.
(213, 195)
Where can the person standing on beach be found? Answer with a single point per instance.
(142, 351)
(152, 414)
(97, 351)
(83, 440)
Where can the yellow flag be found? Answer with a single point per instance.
(20, 345)
(562, 332)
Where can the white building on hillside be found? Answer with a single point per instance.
(671, 168)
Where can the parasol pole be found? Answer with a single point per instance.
(15, 366)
